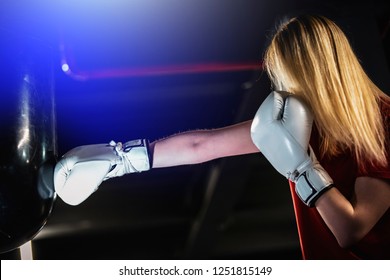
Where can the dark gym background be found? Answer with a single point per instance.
(151, 68)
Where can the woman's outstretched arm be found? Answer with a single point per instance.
(203, 145)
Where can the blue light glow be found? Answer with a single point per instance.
(65, 67)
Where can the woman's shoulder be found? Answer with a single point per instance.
(384, 172)
(385, 111)
(385, 105)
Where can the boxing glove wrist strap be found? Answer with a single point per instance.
(312, 183)
(134, 157)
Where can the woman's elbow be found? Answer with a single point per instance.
(349, 238)
(346, 243)
(201, 147)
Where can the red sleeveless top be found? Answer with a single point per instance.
(317, 241)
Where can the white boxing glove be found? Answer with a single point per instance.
(80, 171)
(281, 130)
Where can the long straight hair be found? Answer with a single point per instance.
(310, 56)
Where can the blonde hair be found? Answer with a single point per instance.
(310, 56)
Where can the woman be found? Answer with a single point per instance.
(309, 57)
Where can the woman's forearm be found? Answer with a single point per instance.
(181, 149)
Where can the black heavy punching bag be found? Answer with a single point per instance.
(27, 139)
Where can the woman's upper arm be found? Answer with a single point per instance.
(232, 140)
(351, 220)
(372, 199)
